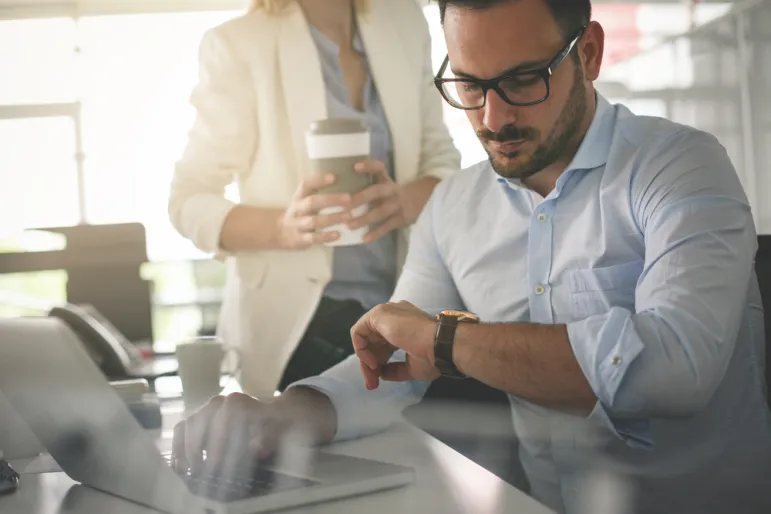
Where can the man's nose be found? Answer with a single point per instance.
(497, 113)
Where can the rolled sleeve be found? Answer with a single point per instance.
(668, 357)
(605, 347)
(205, 232)
(221, 144)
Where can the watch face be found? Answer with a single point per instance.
(461, 315)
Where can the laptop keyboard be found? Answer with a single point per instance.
(261, 482)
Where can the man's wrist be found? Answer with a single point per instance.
(309, 409)
(448, 323)
(429, 336)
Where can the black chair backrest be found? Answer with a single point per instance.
(763, 270)
(103, 265)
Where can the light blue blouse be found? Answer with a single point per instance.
(366, 273)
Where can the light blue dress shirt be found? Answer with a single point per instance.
(645, 251)
(366, 273)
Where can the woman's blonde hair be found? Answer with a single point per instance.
(274, 6)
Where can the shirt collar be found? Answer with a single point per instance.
(595, 147)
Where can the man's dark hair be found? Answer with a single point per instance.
(570, 15)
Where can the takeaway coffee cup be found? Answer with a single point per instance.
(335, 146)
(201, 363)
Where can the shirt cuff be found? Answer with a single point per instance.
(359, 411)
(205, 215)
(605, 347)
(345, 403)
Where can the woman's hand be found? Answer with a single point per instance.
(386, 203)
(301, 225)
(391, 205)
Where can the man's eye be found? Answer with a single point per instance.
(520, 81)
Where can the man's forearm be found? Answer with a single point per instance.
(533, 362)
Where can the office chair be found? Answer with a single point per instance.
(763, 271)
(9, 478)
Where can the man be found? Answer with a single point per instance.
(610, 260)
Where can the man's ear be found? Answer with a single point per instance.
(590, 50)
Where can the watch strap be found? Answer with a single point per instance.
(444, 342)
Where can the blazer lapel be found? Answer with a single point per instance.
(302, 81)
(389, 65)
(304, 91)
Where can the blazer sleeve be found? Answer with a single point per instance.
(220, 146)
(438, 156)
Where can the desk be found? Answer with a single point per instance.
(447, 482)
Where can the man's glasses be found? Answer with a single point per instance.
(520, 88)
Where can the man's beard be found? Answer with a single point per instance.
(549, 151)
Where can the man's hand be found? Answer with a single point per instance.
(232, 434)
(390, 327)
(386, 205)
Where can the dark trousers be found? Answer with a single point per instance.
(326, 342)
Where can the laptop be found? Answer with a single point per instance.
(16, 439)
(50, 381)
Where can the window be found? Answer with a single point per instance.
(29, 294)
(37, 170)
(136, 116)
(121, 82)
(133, 95)
(39, 56)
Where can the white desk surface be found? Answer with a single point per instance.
(447, 482)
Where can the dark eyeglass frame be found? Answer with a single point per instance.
(494, 83)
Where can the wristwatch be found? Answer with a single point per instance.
(447, 322)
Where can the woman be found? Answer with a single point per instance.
(265, 77)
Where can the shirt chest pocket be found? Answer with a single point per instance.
(595, 291)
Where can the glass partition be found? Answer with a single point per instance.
(716, 78)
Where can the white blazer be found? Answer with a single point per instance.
(260, 88)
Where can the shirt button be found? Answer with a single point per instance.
(617, 360)
(539, 290)
(542, 217)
